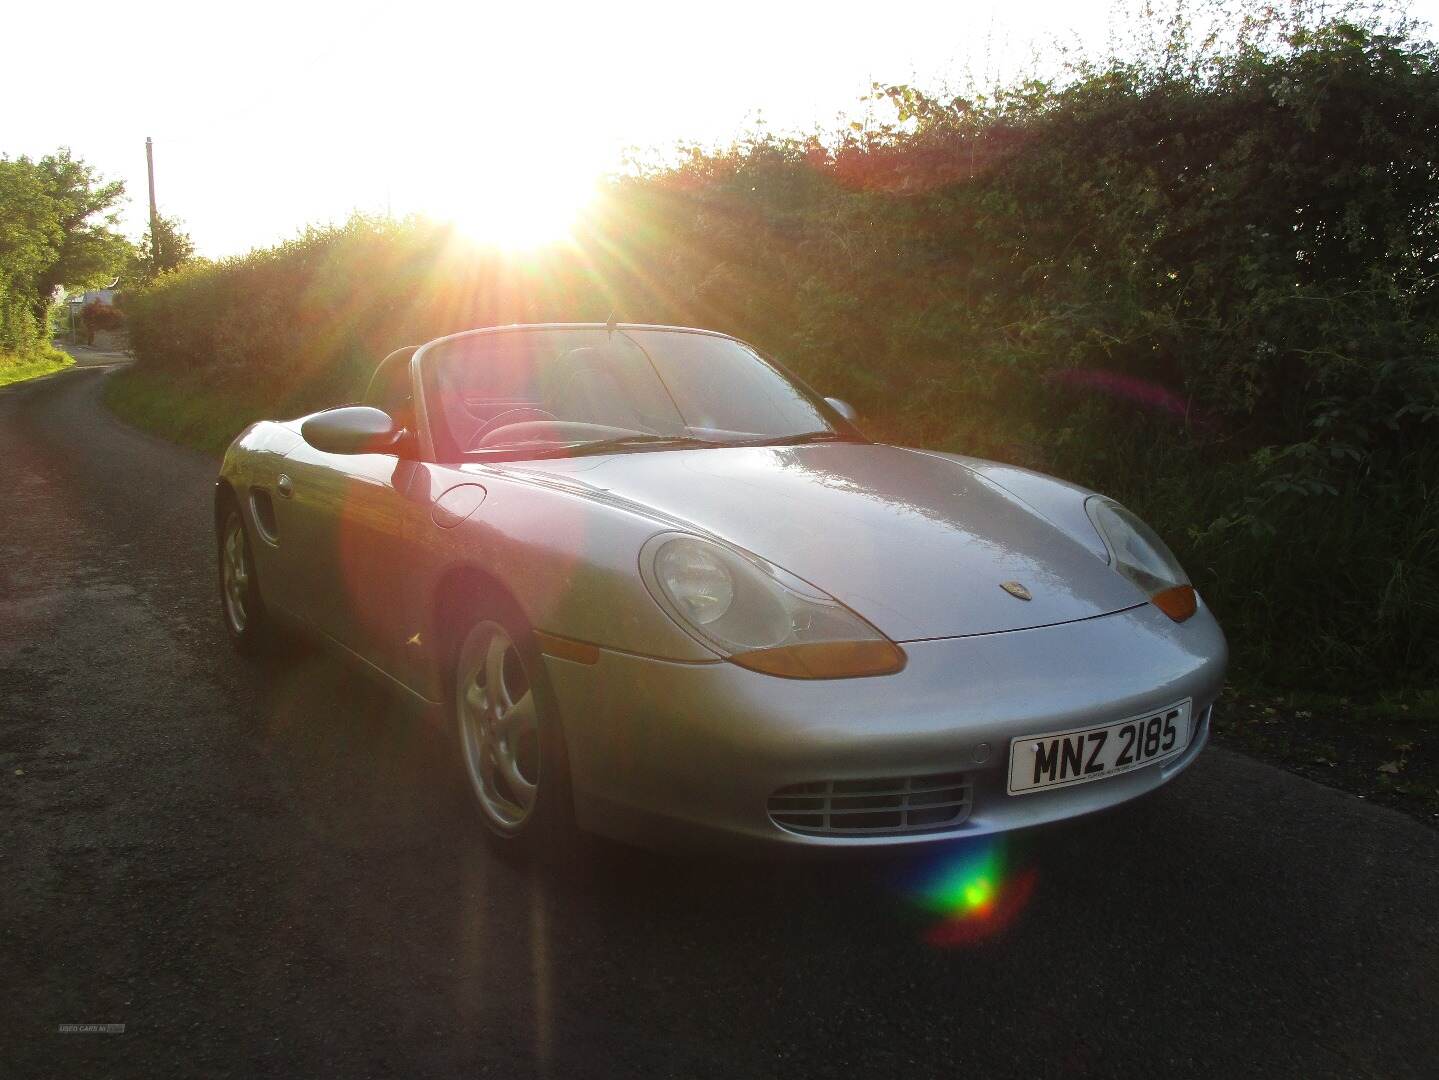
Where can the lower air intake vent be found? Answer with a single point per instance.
(888, 805)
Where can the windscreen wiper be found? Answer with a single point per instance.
(796, 440)
(626, 442)
(669, 442)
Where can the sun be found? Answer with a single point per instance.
(520, 211)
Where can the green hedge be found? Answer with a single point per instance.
(1208, 289)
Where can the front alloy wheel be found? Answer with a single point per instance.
(513, 749)
(499, 728)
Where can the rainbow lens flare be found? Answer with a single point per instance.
(973, 890)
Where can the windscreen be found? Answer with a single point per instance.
(548, 389)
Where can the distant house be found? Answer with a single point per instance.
(77, 301)
(100, 296)
(75, 305)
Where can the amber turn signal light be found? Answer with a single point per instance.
(581, 652)
(825, 659)
(1178, 603)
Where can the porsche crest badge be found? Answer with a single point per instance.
(1016, 590)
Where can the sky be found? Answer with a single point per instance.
(269, 116)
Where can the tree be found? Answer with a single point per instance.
(56, 231)
(150, 260)
(29, 239)
(85, 249)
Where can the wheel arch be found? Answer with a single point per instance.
(225, 495)
(455, 596)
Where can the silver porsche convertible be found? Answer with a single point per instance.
(660, 590)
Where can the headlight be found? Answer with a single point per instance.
(758, 616)
(696, 580)
(1136, 551)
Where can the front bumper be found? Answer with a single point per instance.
(672, 754)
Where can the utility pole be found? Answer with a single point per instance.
(154, 215)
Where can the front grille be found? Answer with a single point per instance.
(890, 804)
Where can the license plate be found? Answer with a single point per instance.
(1063, 758)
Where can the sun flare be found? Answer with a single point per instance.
(517, 212)
(975, 889)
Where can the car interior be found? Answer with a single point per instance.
(583, 394)
(547, 390)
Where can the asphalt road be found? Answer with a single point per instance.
(264, 870)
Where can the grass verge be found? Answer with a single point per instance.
(1380, 747)
(189, 413)
(42, 361)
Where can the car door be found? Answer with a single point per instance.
(347, 528)
(351, 510)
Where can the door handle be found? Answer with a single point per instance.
(285, 486)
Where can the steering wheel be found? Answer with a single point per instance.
(504, 419)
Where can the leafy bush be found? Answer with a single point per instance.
(1206, 287)
(98, 316)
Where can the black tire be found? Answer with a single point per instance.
(242, 610)
(497, 760)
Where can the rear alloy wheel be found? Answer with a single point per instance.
(514, 752)
(240, 604)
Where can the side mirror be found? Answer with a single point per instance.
(844, 408)
(352, 429)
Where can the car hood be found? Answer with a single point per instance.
(916, 543)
